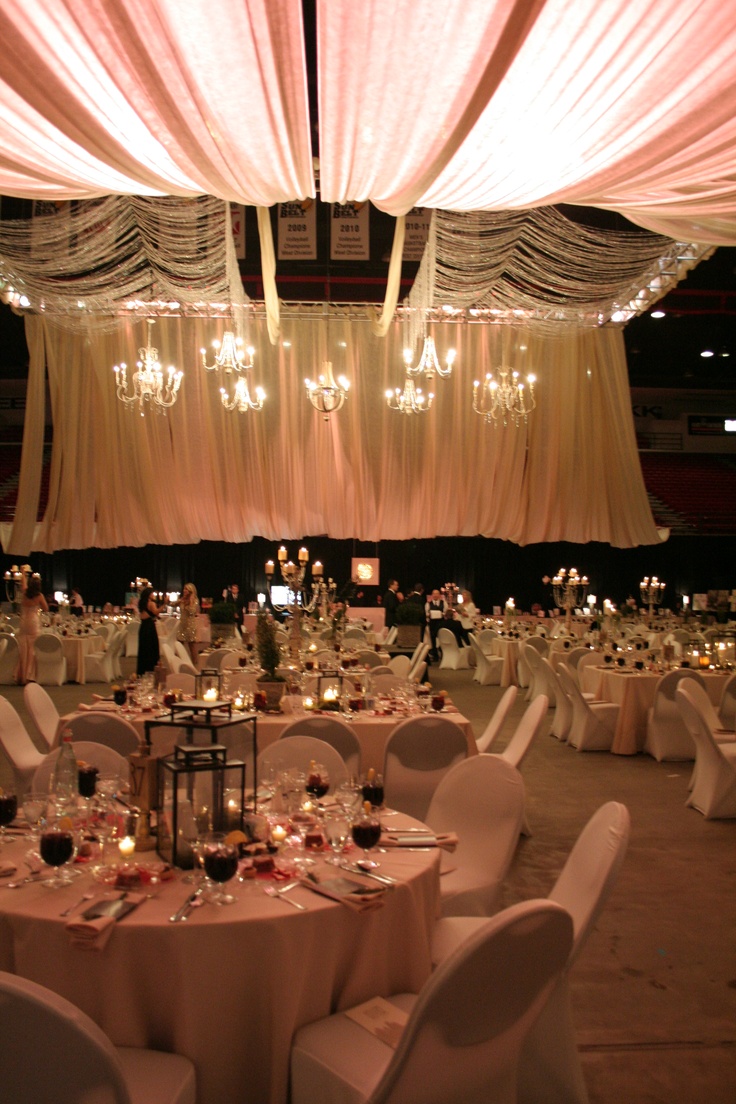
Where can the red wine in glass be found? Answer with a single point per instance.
(56, 848)
(221, 864)
(366, 833)
(373, 792)
(87, 781)
(317, 786)
(120, 695)
(8, 810)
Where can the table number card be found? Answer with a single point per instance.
(381, 1018)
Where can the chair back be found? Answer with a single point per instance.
(332, 731)
(539, 643)
(417, 659)
(76, 1053)
(699, 697)
(48, 646)
(180, 681)
(419, 753)
(498, 719)
(486, 637)
(575, 655)
(665, 692)
(44, 713)
(215, 658)
(527, 730)
(102, 727)
(298, 752)
(18, 746)
(387, 683)
(400, 665)
(480, 1001)
(356, 634)
(367, 658)
(97, 755)
(591, 869)
(727, 708)
(391, 635)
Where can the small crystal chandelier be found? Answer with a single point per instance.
(150, 383)
(411, 400)
(242, 400)
(429, 361)
(507, 398)
(230, 356)
(326, 394)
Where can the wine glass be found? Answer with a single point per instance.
(8, 811)
(56, 847)
(366, 832)
(220, 865)
(35, 803)
(119, 695)
(318, 781)
(349, 796)
(337, 832)
(373, 789)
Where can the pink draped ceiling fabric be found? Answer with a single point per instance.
(454, 104)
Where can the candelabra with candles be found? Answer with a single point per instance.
(569, 590)
(300, 599)
(509, 612)
(652, 592)
(16, 580)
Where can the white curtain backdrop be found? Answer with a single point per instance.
(202, 472)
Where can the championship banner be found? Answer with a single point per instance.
(416, 229)
(237, 221)
(297, 233)
(350, 232)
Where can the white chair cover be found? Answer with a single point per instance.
(180, 681)
(667, 735)
(419, 753)
(298, 752)
(332, 731)
(454, 658)
(78, 1055)
(44, 713)
(102, 727)
(714, 779)
(549, 1069)
(50, 660)
(22, 753)
(367, 658)
(401, 665)
(465, 1031)
(727, 708)
(387, 683)
(497, 721)
(593, 723)
(482, 800)
(106, 759)
(417, 661)
(391, 635)
(131, 638)
(527, 730)
(488, 668)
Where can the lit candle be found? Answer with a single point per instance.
(282, 554)
(278, 833)
(330, 694)
(238, 702)
(210, 695)
(126, 847)
(317, 569)
(308, 703)
(303, 555)
(269, 568)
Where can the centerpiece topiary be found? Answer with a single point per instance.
(269, 656)
(222, 620)
(410, 622)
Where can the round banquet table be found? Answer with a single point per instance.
(634, 692)
(229, 987)
(76, 646)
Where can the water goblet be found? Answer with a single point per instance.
(220, 865)
(35, 804)
(349, 796)
(366, 832)
(8, 811)
(337, 832)
(57, 845)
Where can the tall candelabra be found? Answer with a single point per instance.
(652, 592)
(16, 581)
(299, 598)
(569, 590)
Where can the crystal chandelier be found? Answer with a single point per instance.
(326, 394)
(429, 361)
(411, 400)
(507, 397)
(230, 356)
(241, 400)
(150, 383)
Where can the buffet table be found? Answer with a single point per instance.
(634, 692)
(229, 987)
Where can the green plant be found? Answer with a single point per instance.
(268, 649)
(222, 613)
(410, 613)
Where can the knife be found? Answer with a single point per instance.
(182, 912)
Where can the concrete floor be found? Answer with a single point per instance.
(654, 991)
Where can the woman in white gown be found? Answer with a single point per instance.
(31, 605)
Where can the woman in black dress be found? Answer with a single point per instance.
(148, 654)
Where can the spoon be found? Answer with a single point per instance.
(85, 897)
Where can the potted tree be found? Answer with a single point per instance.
(222, 621)
(269, 656)
(410, 624)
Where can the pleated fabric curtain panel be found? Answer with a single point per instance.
(202, 472)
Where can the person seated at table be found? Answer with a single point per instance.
(107, 609)
(148, 653)
(188, 613)
(76, 603)
(435, 610)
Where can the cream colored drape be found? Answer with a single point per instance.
(369, 473)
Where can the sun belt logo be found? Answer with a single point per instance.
(295, 209)
(346, 210)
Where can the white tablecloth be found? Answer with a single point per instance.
(229, 987)
(75, 649)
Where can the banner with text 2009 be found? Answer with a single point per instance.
(297, 232)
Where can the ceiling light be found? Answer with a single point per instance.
(707, 353)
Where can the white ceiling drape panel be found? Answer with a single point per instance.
(176, 97)
(468, 105)
(203, 473)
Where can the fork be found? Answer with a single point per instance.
(272, 891)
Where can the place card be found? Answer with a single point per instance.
(381, 1018)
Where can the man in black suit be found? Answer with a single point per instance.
(391, 601)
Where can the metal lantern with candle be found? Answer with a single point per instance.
(197, 783)
(208, 686)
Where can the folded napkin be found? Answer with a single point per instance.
(7, 868)
(354, 894)
(97, 706)
(93, 934)
(448, 841)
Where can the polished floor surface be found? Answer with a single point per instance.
(654, 991)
